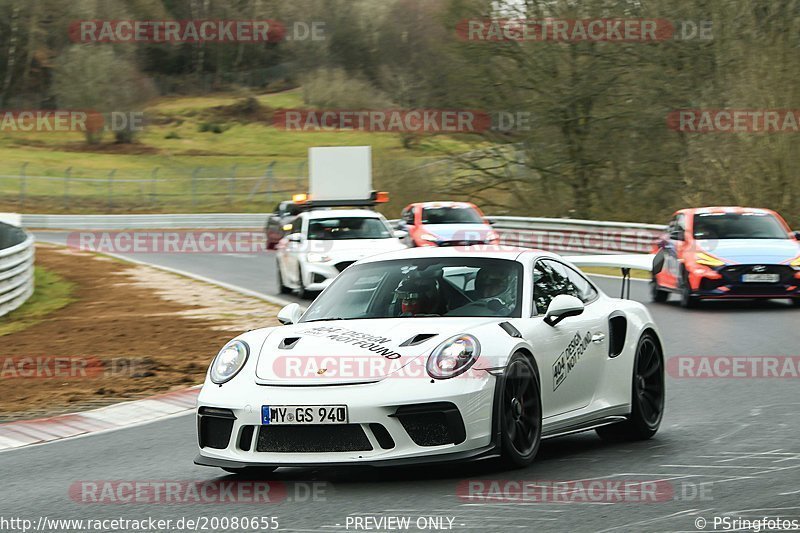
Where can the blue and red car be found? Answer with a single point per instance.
(727, 253)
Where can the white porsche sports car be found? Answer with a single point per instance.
(433, 355)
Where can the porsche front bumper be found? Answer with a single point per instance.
(394, 421)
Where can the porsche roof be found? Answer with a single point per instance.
(481, 250)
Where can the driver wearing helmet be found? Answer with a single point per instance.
(493, 288)
(418, 296)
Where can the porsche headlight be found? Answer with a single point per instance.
(453, 357)
(708, 260)
(430, 237)
(229, 361)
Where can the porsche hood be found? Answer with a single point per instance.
(353, 351)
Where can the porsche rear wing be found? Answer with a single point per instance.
(625, 262)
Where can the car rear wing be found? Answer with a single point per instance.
(625, 262)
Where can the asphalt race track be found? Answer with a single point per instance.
(726, 446)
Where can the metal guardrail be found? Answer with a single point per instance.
(564, 235)
(16, 267)
(156, 221)
(556, 234)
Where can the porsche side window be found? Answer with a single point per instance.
(547, 284)
(577, 286)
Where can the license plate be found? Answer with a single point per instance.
(277, 415)
(761, 278)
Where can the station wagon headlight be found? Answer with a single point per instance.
(229, 361)
(708, 260)
(453, 357)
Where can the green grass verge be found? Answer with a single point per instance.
(52, 293)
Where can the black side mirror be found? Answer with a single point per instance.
(677, 235)
(797, 235)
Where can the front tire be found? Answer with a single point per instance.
(688, 300)
(302, 293)
(796, 302)
(656, 294)
(520, 413)
(647, 395)
(281, 286)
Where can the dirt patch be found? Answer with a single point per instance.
(134, 331)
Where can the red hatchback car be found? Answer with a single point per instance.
(446, 224)
(727, 252)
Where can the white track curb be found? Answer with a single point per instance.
(42, 430)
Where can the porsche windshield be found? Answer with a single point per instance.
(738, 226)
(423, 287)
(341, 228)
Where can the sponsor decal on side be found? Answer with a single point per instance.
(569, 358)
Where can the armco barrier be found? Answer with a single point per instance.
(158, 221)
(577, 236)
(16, 267)
(556, 234)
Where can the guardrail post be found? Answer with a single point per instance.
(194, 185)
(111, 188)
(300, 180)
(67, 175)
(231, 182)
(23, 184)
(266, 177)
(270, 181)
(153, 186)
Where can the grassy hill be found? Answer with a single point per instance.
(203, 153)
